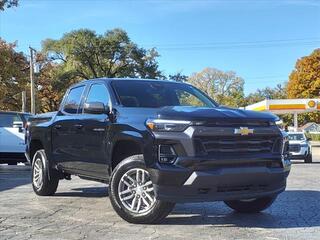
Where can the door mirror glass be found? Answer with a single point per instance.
(95, 108)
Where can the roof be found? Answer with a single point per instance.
(308, 125)
(123, 79)
(8, 112)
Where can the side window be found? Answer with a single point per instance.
(98, 93)
(6, 120)
(73, 100)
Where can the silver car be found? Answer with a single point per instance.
(300, 146)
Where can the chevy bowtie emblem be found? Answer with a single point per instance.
(243, 131)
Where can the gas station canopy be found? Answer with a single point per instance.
(283, 106)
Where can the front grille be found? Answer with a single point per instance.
(294, 148)
(238, 144)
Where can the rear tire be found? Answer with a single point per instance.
(130, 185)
(251, 205)
(308, 158)
(44, 179)
(12, 163)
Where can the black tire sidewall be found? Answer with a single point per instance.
(255, 206)
(49, 185)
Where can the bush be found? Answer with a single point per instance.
(313, 136)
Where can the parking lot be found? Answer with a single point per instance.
(82, 210)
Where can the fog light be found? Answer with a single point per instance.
(166, 154)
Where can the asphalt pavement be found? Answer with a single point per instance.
(82, 210)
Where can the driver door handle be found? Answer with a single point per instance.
(79, 126)
(58, 126)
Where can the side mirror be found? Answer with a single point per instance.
(18, 124)
(95, 108)
(309, 138)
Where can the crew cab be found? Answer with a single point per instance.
(300, 146)
(12, 137)
(157, 143)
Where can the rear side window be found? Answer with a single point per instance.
(6, 120)
(73, 100)
(98, 93)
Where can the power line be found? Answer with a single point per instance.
(226, 43)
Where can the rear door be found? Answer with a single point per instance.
(66, 145)
(11, 136)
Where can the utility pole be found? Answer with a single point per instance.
(33, 98)
(24, 99)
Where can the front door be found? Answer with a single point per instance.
(93, 134)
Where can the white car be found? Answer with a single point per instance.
(300, 146)
(12, 137)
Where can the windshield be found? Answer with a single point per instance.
(152, 94)
(296, 137)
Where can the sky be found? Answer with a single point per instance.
(258, 39)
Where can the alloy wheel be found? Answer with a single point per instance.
(136, 191)
(38, 173)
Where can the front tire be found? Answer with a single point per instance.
(42, 183)
(132, 194)
(251, 205)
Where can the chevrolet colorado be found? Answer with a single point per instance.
(157, 143)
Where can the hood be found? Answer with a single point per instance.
(218, 113)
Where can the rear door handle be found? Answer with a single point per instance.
(79, 126)
(58, 126)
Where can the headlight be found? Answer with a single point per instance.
(163, 125)
(304, 145)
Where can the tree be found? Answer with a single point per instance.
(13, 76)
(8, 4)
(84, 54)
(224, 87)
(279, 92)
(178, 77)
(304, 80)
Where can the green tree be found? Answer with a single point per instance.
(8, 4)
(13, 76)
(224, 87)
(278, 92)
(178, 77)
(85, 54)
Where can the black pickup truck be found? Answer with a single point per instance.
(157, 143)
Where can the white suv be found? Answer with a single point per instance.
(12, 137)
(300, 147)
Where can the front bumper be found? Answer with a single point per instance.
(304, 151)
(180, 184)
(8, 157)
(198, 176)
